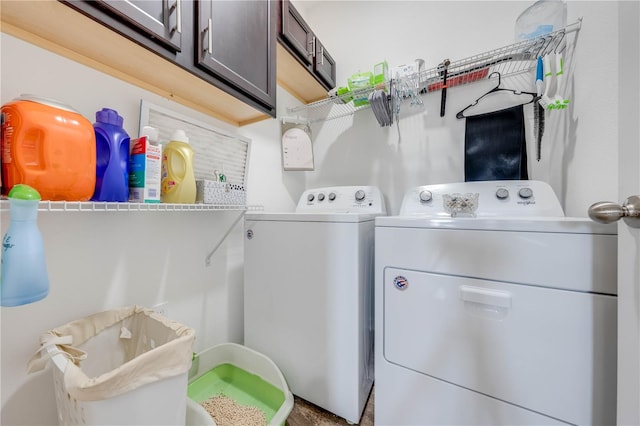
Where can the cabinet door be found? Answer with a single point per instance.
(236, 43)
(324, 65)
(158, 19)
(296, 33)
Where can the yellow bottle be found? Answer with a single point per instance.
(178, 181)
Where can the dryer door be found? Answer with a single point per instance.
(550, 351)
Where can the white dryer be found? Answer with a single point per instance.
(308, 292)
(492, 308)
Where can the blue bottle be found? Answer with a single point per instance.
(24, 276)
(112, 157)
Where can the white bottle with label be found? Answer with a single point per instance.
(178, 181)
(145, 167)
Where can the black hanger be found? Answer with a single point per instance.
(497, 89)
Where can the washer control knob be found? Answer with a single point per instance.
(310, 197)
(332, 196)
(360, 195)
(502, 193)
(426, 196)
(321, 197)
(525, 193)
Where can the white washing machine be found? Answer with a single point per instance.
(308, 292)
(492, 308)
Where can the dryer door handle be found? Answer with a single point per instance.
(485, 296)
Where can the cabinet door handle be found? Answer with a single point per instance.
(321, 55)
(175, 8)
(312, 43)
(210, 46)
(178, 16)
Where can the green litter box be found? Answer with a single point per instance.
(242, 374)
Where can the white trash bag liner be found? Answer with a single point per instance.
(121, 366)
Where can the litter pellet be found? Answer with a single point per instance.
(226, 412)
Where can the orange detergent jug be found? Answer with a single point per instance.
(48, 146)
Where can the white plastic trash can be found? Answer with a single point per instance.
(126, 366)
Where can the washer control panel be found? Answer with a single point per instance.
(342, 199)
(484, 199)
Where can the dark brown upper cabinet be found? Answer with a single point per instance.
(324, 65)
(158, 19)
(296, 35)
(229, 44)
(237, 43)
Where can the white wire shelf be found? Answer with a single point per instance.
(97, 206)
(509, 60)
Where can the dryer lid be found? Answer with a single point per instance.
(566, 225)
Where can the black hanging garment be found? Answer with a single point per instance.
(495, 146)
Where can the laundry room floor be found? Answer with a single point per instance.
(307, 414)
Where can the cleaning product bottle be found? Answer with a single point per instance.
(112, 157)
(178, 181)
(24, 276)
(49, 146)
(145, 167)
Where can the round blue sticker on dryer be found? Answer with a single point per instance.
(400, 282)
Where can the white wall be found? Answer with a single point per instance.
(580, 143)
(268, 185)
(102, 260)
